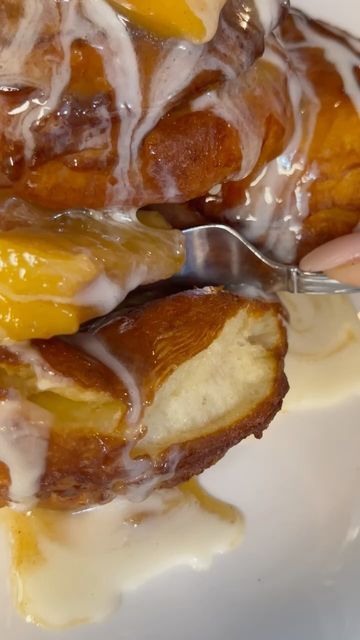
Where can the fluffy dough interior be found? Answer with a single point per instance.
(221, 384)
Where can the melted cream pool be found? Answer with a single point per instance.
(323, 361)
(71, 569)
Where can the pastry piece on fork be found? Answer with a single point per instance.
(152, 396)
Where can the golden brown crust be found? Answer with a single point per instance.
(86, 467)
(328, 183)
(197, 149)
(66, 171)
(80, 368)
(68, 485)
(335, 148)
(151, 340)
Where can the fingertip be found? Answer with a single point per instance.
(334, 255)
(348, 273)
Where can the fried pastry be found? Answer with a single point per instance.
(308, 191)
(263, 135)
(150, 397)
(96, 110)
(103, 110)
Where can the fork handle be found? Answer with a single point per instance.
(297, 281)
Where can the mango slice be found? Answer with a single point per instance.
(194, 20)
(75, 267)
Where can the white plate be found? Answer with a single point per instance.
(297, 574)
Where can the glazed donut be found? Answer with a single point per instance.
(308, 193)
(95, 111)
(236, 122)
(99, 116)
(148, 398)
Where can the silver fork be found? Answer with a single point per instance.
(219, 255)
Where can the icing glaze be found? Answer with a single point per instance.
(324, 339)
(137, 103)
(24, 434)
(91, 558)
(277, 199)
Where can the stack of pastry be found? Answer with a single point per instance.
(109, 114)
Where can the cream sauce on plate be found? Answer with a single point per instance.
(323, 361)
(72, 568)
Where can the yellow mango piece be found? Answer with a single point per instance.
(39, 318)
(166, 18)
(36, 265)
(102, 417)
(47, 271)
(123, 248)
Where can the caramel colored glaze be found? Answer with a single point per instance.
(198, 149)
(330, 177)
(266, 94)
(151, 341)
(334, 195)
(79, 368)
(69, 485)
(155, 339)
(68, 169)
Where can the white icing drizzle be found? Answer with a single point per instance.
(285, 174)
(130, 254)
(46, 377)
(224, 54)
(97, 22)
(268, 11)
(277, 200)
(344, 59)
(102, 294)
(120, 62)
(94, 346)
(324, 339)
(24, 433)
(139, 471)
(14, 55)
(139, 108)
(282, 183)
(141, 480)
(59, 78)
(173, 74)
